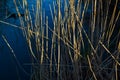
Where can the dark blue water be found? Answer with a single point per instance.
(12, 68)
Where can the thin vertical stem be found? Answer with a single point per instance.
(59, 55)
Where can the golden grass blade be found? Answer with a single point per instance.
(116, 71)
(59, 48)
(91, 67)
(119, 47)
(80, 24)
(15, 26)
(109, 52)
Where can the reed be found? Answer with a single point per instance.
(81, 41)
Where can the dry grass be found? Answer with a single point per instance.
(80, 46)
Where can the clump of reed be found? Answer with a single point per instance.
(82, 45)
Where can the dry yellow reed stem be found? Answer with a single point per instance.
(15, 26)
(91, 68)
(119, 46)
(47, 34)
(112, 28)
(59, 48)
(19, 15)
(42, 53)
(80, 24)
(116, 71)
(94, 15)
(109, 52)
